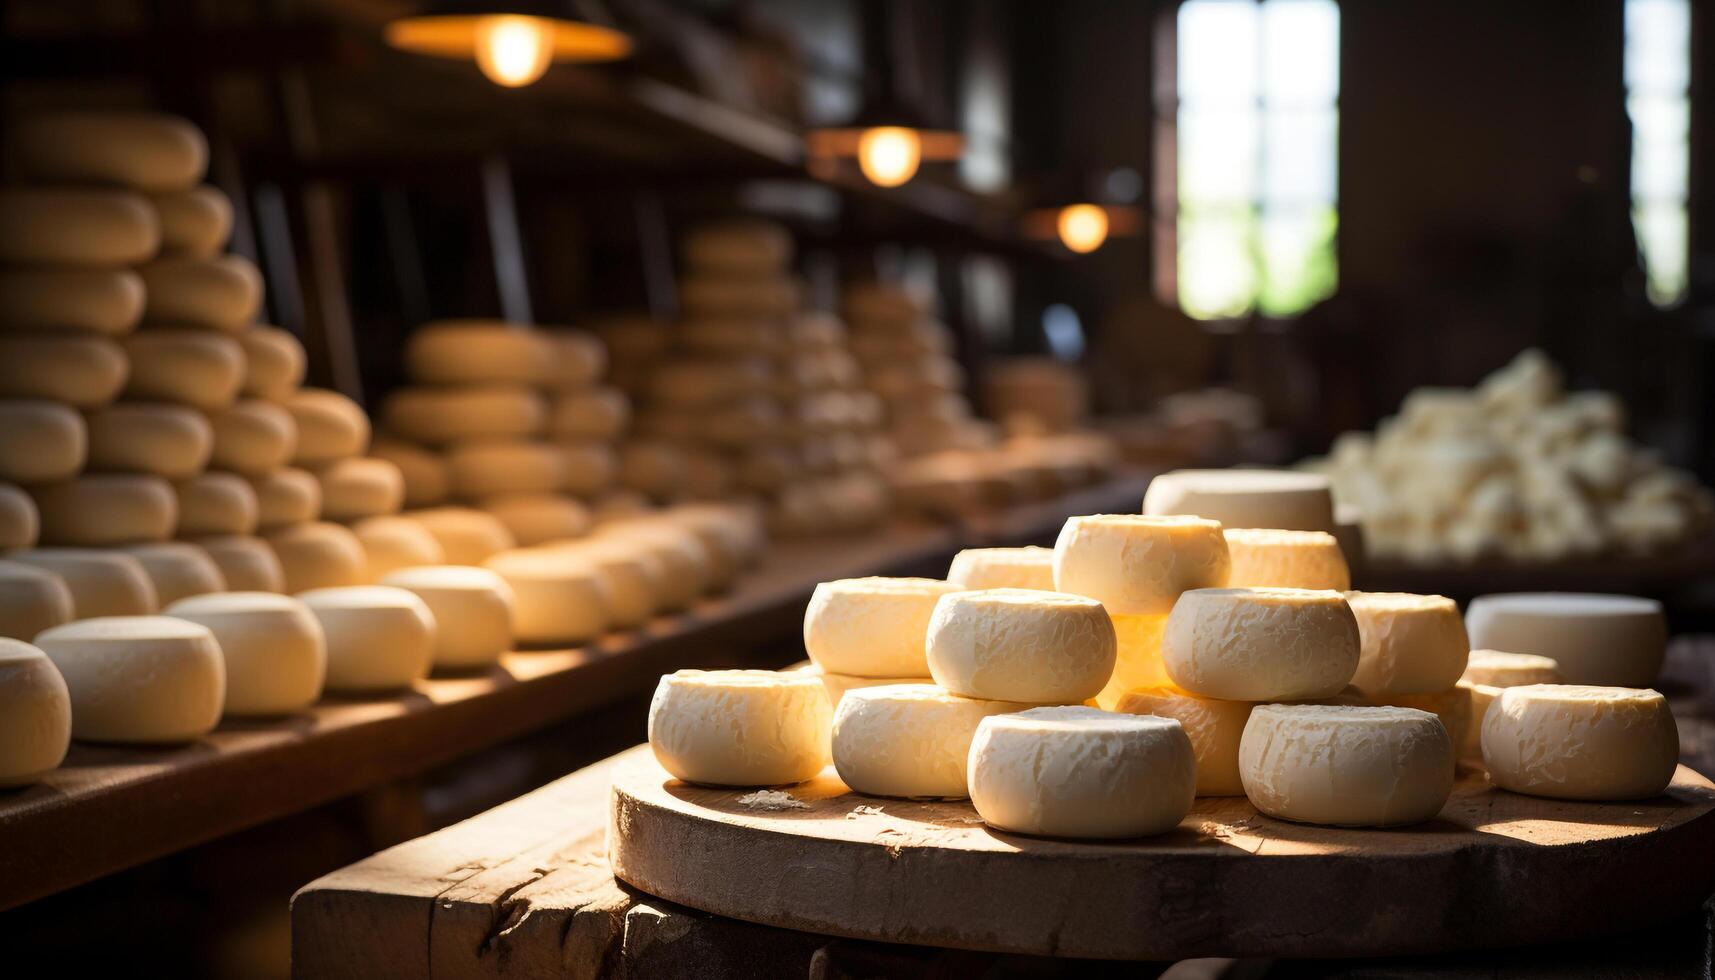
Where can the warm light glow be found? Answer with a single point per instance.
(514, 50)
(1083, 227)
(888, 155)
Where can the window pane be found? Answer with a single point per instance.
(1298, 261)
(1298, 156)
(1662, 236)
(1217, 155)
(1217, 263)
(1301, 52)
(1218, 52)
(1658, 46)
(1658, 71)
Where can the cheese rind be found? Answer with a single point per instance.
(1580, 742)
(195, 222)
(253, 437)
(35, 714)
(20, 525)
(838, 684)
(633, 577)
(331, 427)
(489, 469)
(1412, 644)
(1596, 639)
(599, 413)
(247, 563)
(31, 600)
(556, 599)
(427, 482)
(318, 555)
(102, 583)
(1214, 727)
(911, 740)
(1261, 644)
(1081, 772)
(222, 292)
(360, 487)
(1455, 707)
(472, 609)
(139, 679)
(100, 301)
(76, 227)
(872, 627)
(1138, 565)
(273, 646)
(173, 441)
(740, 727)
(466, 536)
(391, 543)
(1137, 658)
(1003, 568)
(106, 509)
(1346, 766)
(1020, 645)
(473, 352)
(145, 150)
(187, 367)
(1500, 669)
(83, 372)
(274, 362)
(287, 496)
(437, 416)
(1286, 559)
(1245, 498)
(379, 638)
(41, 441)
(683, 558)
(178, 570)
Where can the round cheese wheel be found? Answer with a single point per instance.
(190, 367)
(1137, 658)
(838, 684)
(1082, 772)
(195, 222)
(1283, 499)
(84, 372)
(177, 570)
(139, 679)
(879, 304)
(1615, 640)
(286, 496)
(146, 150)
(468, 537)
(598, 414)
(247, 563)
(741, 526)
(275, 653)
(1214, 727)
(1139, 565)
(1412, 644)
(655, 469)
(743, 247)
(72, 227)
(1454, 706)
(35, 714)
(1003, 568)
(1499, 669)
(1482, 697)
(683, 558)
(437, 416)
(588, 468)
(579, 359)
(274, 362)
(682, 384)
(427, 481)
(330, 426)
(392, 543)
(537, 518)
(253, 438)
(41, 441)
(103, 301)
(1261, 644)
(479, 352)
(724, 541)
(1021, 645)
(318, 555)
(715, 296)
(106, 509)
(20, 525)
(1580, 742)
(555, 600)
(487, 469)
(219, 293)
(740, 727)
(379, 638)
(1346, 766)
(31, 600)
(216, 503)
(872, 627)
(173, 441)
(102, 583)
(360, 487)
(911, 740)
(1265, 558)
(472, 609)
(633, 577)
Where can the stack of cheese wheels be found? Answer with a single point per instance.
(1415, 651)
(906, 358)
(1487, 672)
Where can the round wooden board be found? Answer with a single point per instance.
(1493, 869)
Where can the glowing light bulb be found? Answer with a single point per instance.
(889, 155)
(1083, 227)
(514, 50)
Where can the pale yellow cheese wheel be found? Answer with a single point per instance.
(360, 487)
(85, 372)
(907, 740)
(479, 352)
(597, 414)
(1214, 727)
(872, 627)
(106, 509)
(146, 150)
(20, 525)
(177, 570)
(35, 714)
(318, 555)
(635, 577)
(1021, 645)
(219, 293)
(190, 367)
(247, 563)
(102, 582)
(467, 536)
(473, 610)
(103, 301)
(1346, 766)
(273, 646)
(1136, 564)
(330, 426)
(75, 227)
(139, 679)
(215, 503)
(427, 481)
(488, 469)
(173, 441)
(253, 437)
(557, 600)
(437, 416)
(1580, 742)
(1003, 568)
(1413, 644)
(537, 518)
(379, 638)
(274, 362)
(391, 542)
(41, 440)
(740, 727)
(287, 496)
(1261, 644)
(195, 222)
(1501, 669)
(1265, 558)
(32, 599)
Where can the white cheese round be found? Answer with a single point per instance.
(331, 426)
(41, 441)
(196, 222)
(58, 226)
(740, 727)
(683, 559)
(911, 740)
(318, 555)
(173, 441)
(360, 487)
(472, 609)
(437, 416)
(84, 372)
(379, 638)
(102, 583)
(1346, 766)
(43, 299)
(1580, 742)
(1455, 707)
(1021, 645)
(106, 509)
(189, 367)
(1412, 644)
(274, 362)
(31, 600)
(287, 496)
(1137, 658)
(1139, 565)
(35, 714)
(872, 627)
(177, 570)
(1003, 568)
(1614, 640)
(1499, 669)
(1261, 644)
(1283, 499)
(139, 679)
(1286, 559)
(275, 651)
(466, 536)
(1214, 727)
(557, 600)
(633, 577)
(145, 150)
(247, 563)
(253, 437)
(391, 543)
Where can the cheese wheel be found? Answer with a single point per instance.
(139, 437)
(680, 384)
(190, 367)
(427, 481)
(437, 416)
(1346, 766)
(717, 554)
(247, 563)
(1454, 706)
(466, 536)
(274, 362)
(911, 740)
(31, 600)
(472, 609)
(35, 714)
(102, 583)
(41, 441)
(872, 627)
(330, 426)
(103, 301)
(391, 543)
(1613, 640)
(20, 525)
(379, 638)
(634, 577)
(215, 503)
(1139, 565)
(286, 496)
(556, 599)
(253, 438)
(139, 679)
(740, 525)
(84, 372)
(1482, 696)
(726, 542)
(177, 570)
(219, 293)
(1081, 772)
(740, 727)
(196, 222)
(713, 296)
(598, 414)
(67, 227)
(360, 487)
(1137, 658)
(1580, 742)
(1413, 644)
(1286, 559)
(1003, 568)
(588, 468)
(487, 469)
(1283, 499)
(318, 555)
(106, 509)
(652, 468)
(838, 684)
(1214, 727)
(1021, 645)
(1498, 669)
(468, 352)
(537, 518)
(273, 646)
(146, 150)
(684, 560)
(1261, 644)
(619, 505)
(580, 359)
(744, 247)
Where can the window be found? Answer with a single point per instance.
(1658, 99)
(1257, 120)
